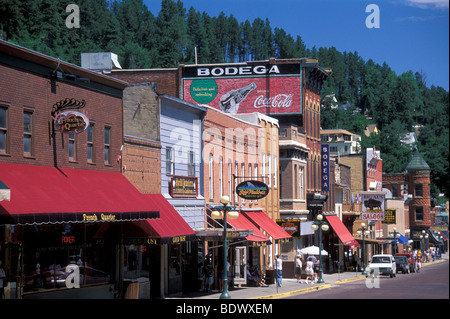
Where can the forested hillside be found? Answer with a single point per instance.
(375, 94)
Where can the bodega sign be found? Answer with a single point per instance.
(252, 190)
(325, 166)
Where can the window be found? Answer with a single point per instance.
(282, 132)
(221, 177)
(27, 133)
(419, 213)
(263, 169)
(72, 147)
(230, 177)
(269, 172)
(191, 163)
(236, 175)
(90, 144)
(107, 149)
(242, 172)
(418, 190)
(211, 176)
(301, 185)
(170, 161)
(275, 171)
(3, 130)
(394, 190)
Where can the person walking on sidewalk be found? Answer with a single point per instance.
(279, 269)
(298, 269)
(309, 271)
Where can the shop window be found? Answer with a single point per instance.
(27, 133)
(3, 130)
(51, 248)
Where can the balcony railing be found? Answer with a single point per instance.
(356, 207)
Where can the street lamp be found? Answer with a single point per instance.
(394, 246)
(220, 212)
(423, 237)
(320, 225)
(363, 231)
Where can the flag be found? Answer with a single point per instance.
(441, 194)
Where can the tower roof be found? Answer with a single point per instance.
(417, 163)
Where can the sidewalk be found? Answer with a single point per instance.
(289, 286)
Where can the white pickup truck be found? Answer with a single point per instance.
(383, 265)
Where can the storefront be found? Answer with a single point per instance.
(341, 245)
(90, 230)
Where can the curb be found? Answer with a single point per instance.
(349, 279)
(294, 292)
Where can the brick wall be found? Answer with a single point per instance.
(167, 80)
(22, 90)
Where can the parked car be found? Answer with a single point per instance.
(383, 265)
(412, 261)
(402, 264)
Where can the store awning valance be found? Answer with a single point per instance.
(41, 194)
(268, 225)
(170, 228)
(242, 223)
(344, 235)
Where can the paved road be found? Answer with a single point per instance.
(431, 283)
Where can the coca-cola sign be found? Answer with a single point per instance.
(280, 100)
(268, 95)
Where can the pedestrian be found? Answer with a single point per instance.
(2, 277)
(433, 254)
(298, 269)
(419, 263)
(309, 270)
(315, 263)
(208, 274)
(279, 269)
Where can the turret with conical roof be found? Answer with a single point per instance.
(417, 163)
(418, 175)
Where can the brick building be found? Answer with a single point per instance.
(61, 143)
(414, 184)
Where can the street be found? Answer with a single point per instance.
(432, 282)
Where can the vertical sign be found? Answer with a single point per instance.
(325, 167)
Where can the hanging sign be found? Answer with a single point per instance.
(71, 122)
(252, 190)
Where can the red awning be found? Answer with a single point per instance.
(267, 224)
(242, 223)
(344, 235)
(170, 228)
(41, 194)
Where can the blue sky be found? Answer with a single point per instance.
(413, 34)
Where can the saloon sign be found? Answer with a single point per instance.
(252, 190)
(372, 206)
